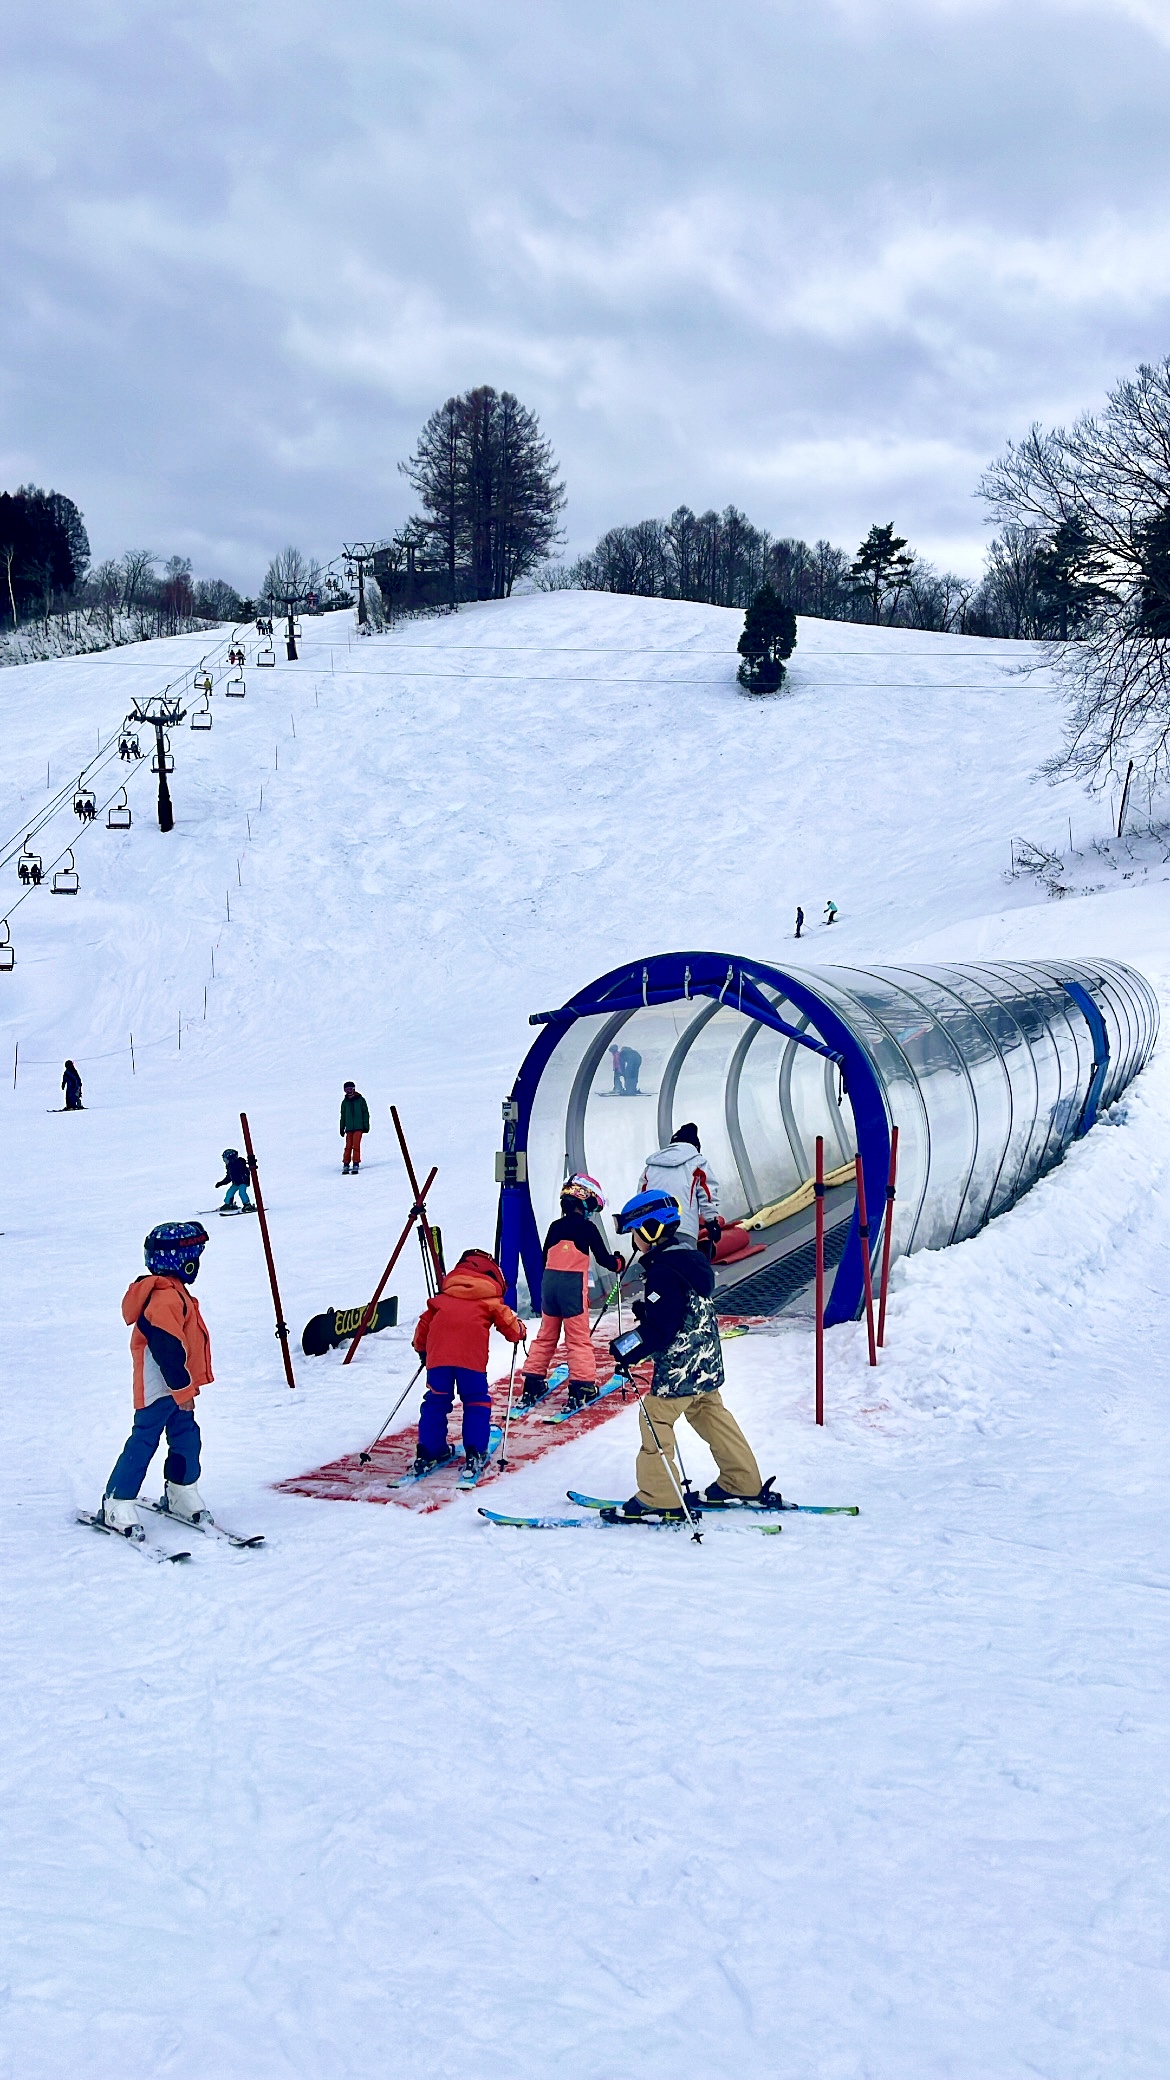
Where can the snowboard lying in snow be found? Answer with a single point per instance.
(326, 1332)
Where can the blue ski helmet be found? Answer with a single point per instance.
(174, 1248)
(653, 1215)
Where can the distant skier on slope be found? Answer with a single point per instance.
(237, 1177)
(679, 1329)
(71, 1085)
(564, 1293)
(681, 1171)
(171, 1351)
(453, 1335)
(355, 1121)
(830, 916)
(799, 921)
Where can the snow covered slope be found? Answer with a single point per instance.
(876, 1797)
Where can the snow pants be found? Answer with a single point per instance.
(182, 1461)
(242, 1191)
(438, 1401)
(717, 1427)
(578, 1345)
(353, 1146)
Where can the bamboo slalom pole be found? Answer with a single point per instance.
(281, 1324)
(371, 1311)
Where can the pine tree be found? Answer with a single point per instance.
(881, 568)
(769, 636)
(488, 484)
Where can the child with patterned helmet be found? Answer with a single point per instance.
(171, 1353)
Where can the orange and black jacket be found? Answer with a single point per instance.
(170, 1346)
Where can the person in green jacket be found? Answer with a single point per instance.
(355, 1121)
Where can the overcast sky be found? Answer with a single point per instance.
(819, 258)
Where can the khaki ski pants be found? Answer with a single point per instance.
(717, 1427)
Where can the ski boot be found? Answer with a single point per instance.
(420, 1464)
(579, 1392)
(354, 1171)
(473, 1464)
(716, 1497)
(534, 1390)
(122, 1517)
(186, 1503)
(345, 1169)
(637, 1512)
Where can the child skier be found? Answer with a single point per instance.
(355, 1121)
(237, 1177)
(453, 1335)
(172, 1360)
(679, 1328)
(564, 1293)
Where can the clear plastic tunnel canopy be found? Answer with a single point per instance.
(988, 1070)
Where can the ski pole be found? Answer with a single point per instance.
(417, 1212)
(428, 1238)
(696, 1534)
(363, 1457)
(508, 1417)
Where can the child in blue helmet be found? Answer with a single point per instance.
(237, 1177)
(171, 1351)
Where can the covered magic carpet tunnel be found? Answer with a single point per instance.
(988, 1070)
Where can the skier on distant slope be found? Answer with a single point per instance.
(71, 1085)
(679, 1328)
(453, 1335)
(237, 1177)
(355, 1121)
(172, 1360)
(564, 1293)
(681, 1171)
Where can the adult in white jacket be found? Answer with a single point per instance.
(681, 1170)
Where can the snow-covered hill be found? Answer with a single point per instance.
(403, 1796)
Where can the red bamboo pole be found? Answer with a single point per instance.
(891, 1195)
(426, 1226)
(417, 1210)
(281, 1324)
(863, 1228)
(819, 1196)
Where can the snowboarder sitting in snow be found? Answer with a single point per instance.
(172, 1360)
(564, 1294)
(453, 1335)
(680, 1171)
(355, 1121)
(679, 1328)
(71, 1085)
(237, 1177)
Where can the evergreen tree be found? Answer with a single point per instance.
(488, 483)
(880, 569)
(1067, 569)
(769, 636)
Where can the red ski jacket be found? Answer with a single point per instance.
(457, 1324)
(170, 1346)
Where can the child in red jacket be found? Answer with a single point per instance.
(171, 1351)
(453, 1335)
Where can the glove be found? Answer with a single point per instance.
(619, 1262)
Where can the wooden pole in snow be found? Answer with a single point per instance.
(417, 1212)
(281, 1324)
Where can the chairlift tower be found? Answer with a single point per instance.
(357, 555)
(291, 604)
(160, 714)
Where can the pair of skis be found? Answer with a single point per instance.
(161, 1553)
(557, 1378)
(469, 1478)
(608, 1511)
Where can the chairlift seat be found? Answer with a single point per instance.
(168, 762)
(83, 801)
(296, 629)
(66, 881)
(266, 656)
(7, 957)
(235, 689)
(201, 719)
(203, 684)
(119, 818)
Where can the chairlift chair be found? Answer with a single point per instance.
(202, 682)
(85, 803)
(201, 717)
(7, 950)
(296, 631)
(119, 818)
(66, 881)
(29, 867)
(168, 763)
(266, 655)
(235, 688)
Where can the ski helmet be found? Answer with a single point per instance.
(586, 1190)
(229, 1153)
(174, 1249)
(482, 1265)
(653, 1215)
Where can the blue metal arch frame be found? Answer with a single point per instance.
(668, 978)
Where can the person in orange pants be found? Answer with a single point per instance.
(564, 1294)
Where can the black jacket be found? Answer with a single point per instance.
(581, 1232)
(672, 1273)
(236, 1171)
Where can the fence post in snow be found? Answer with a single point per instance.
(15, 1064)
(133, 1070)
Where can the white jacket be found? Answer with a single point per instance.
(683, 1173)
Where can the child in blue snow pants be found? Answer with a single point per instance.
(438, 1402)
(183, 1441)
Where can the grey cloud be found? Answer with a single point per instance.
(818, 261)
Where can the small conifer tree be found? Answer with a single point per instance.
(769, 636)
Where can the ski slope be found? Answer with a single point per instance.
(409, 1795)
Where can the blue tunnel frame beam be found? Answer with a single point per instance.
(672, 978)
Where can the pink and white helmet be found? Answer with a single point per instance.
(587, 1190)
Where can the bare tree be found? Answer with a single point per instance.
(1098, 495)
(291, 576)
(137, 571)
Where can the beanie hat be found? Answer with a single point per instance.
(690, 1133)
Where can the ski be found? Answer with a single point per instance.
(470, 1479)
(495, 1516)
(140, 1545)
(720, 1509)
(210, 1530)
(408, 1480)
(566, 1414)
(556, 1378)
(205, 1211)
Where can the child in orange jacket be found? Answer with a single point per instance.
(171, 1351)
(453, 1335)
